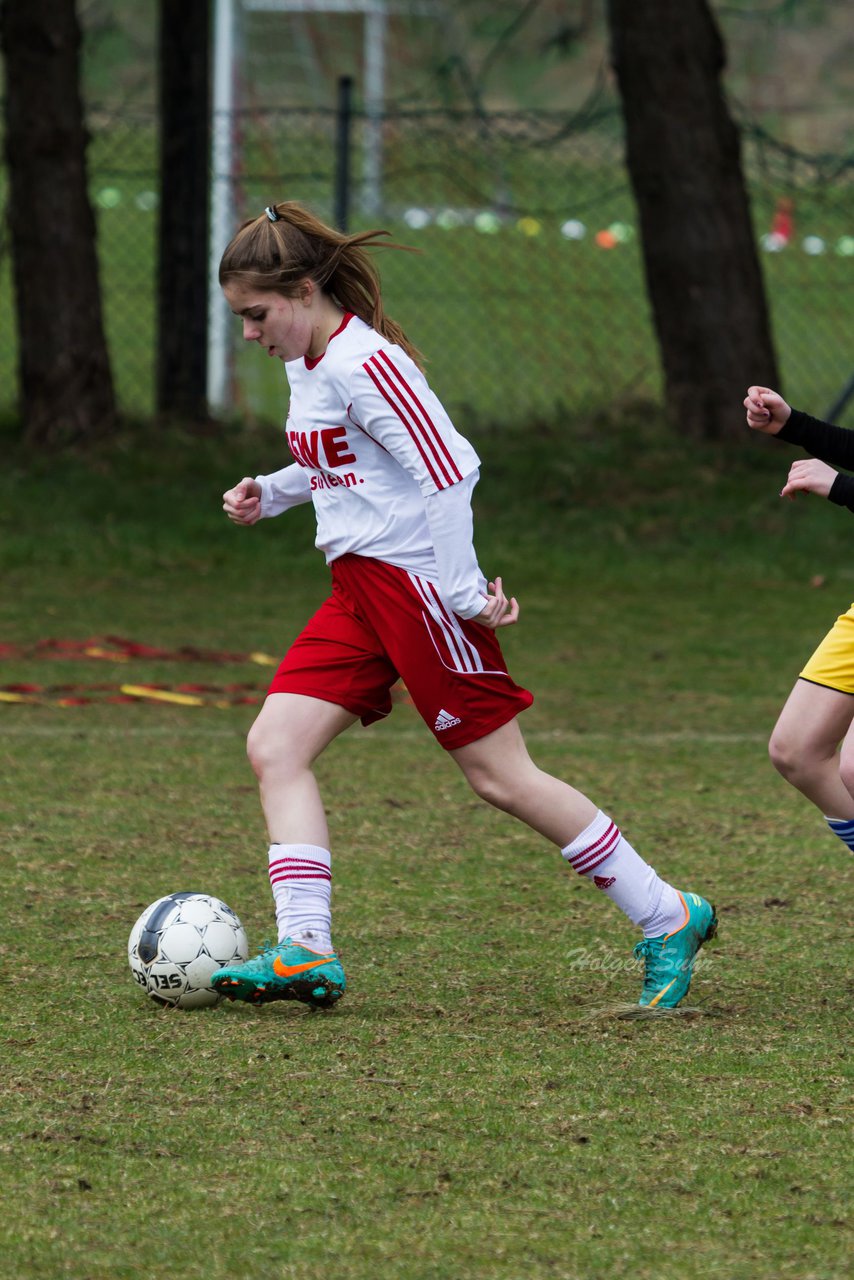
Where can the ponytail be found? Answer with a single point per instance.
(287, 243)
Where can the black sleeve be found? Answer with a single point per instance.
(834, 445)
(842, 492)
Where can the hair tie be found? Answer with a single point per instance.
(271, 213)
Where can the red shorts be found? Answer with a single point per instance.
(382, 624)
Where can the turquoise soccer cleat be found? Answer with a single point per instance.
(669, 960)
(288, 971)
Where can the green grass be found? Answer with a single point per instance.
(474, 1107)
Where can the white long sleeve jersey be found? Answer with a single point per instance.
(388, 473)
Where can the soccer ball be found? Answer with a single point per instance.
(178, 942)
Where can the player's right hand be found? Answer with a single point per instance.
(766, 410)
(242, 504)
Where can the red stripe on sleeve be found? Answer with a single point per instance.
(437, 480)
(438, 443)
(422, 430)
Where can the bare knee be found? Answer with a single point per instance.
(791, 758)
(268, 751)
(256, 749)
(784, 755)
(488, 785)
(499, 770)
(797, 760)
(503, 789)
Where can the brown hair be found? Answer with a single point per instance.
(275, 255)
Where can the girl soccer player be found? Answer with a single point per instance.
(818, 715)
(391, 481)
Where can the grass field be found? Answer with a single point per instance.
(476, 1107)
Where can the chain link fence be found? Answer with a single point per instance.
(526, 295)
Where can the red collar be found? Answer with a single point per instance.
(313, 362)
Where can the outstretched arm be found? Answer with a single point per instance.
(767, 411)
(834, 445)
(831, 446)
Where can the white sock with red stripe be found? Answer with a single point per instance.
(301, 880)
(603, 855)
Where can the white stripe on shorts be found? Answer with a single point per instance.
(462, 653)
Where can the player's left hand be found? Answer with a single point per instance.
(499, 611)
(808, 475)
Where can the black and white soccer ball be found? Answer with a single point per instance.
(178, 942)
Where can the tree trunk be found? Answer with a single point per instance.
(182, 292)
(684, 158)
(65, 382)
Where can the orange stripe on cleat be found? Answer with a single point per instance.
(662, 992)
(684, 922)
(288, 970)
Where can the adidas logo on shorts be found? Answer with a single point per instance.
(444, 720)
